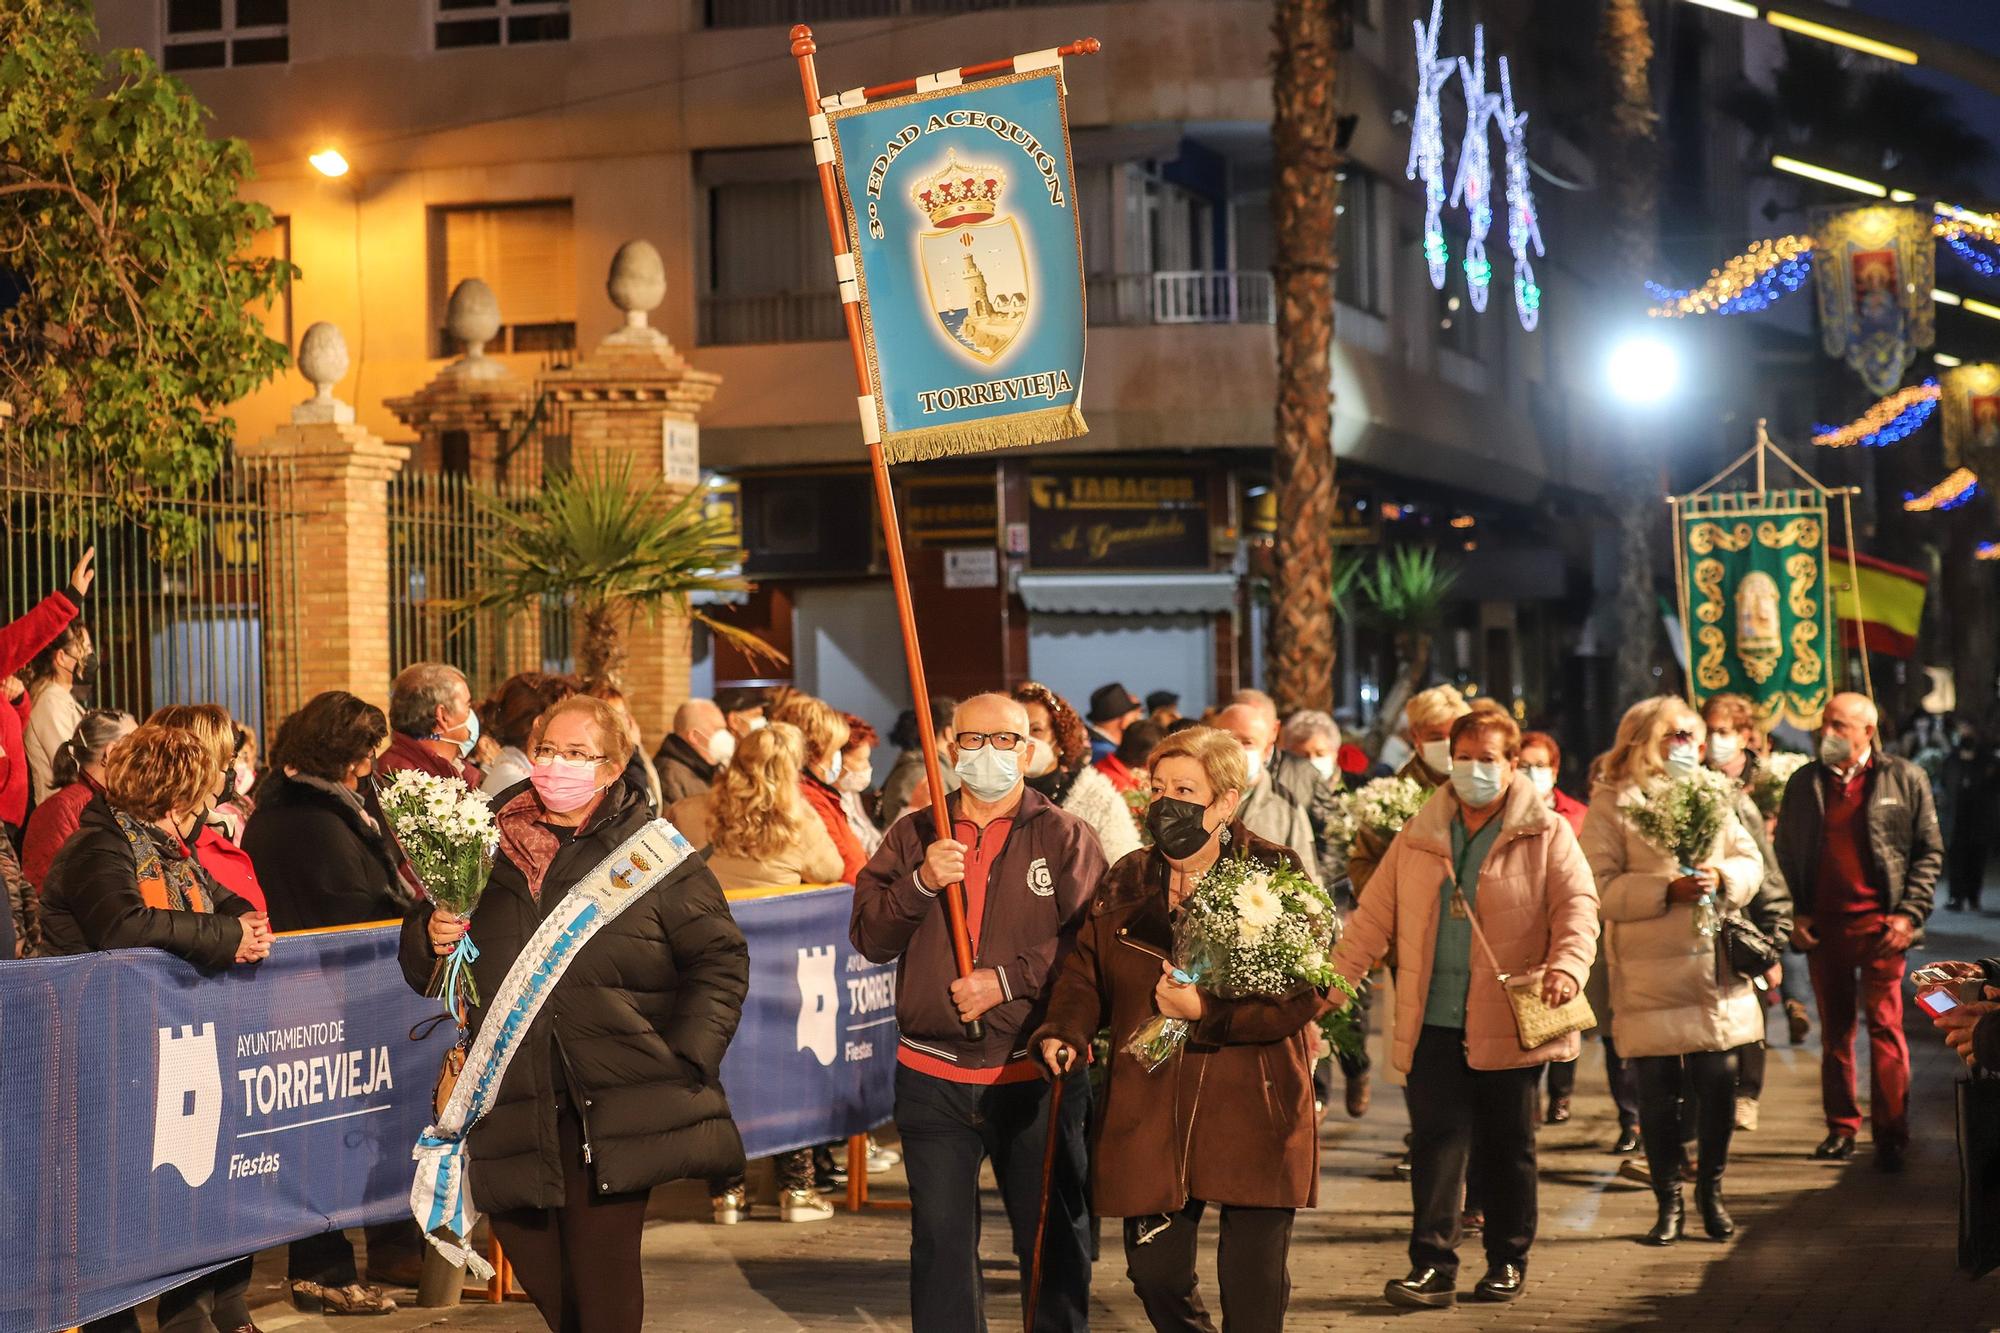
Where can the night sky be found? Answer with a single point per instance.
(1972, 23)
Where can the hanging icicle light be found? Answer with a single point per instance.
(1888, 421)
(1523, 228)
(1751, 281)
(1427, 139)
(1953, 491)
(1473, 185)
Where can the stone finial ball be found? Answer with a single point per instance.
(323, 355)
(638, 277)
(473, 314)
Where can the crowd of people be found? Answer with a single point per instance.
(1073, 838)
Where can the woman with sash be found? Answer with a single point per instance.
(618, 976)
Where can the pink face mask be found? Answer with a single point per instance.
(564, 787)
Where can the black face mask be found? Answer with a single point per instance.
(1176, 826)
(86, 670)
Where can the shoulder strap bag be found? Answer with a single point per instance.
(1536, 1022)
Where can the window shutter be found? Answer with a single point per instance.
(525, 252)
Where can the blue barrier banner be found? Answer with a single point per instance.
(156, 1121)
(815, 1058)
(968, 261)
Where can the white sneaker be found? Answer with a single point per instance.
(804, 1206)
(731, 1206)
(1746, 1114)
(881, 1159)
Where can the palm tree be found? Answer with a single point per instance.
(593, 541)
(1305, 156)
(1405, 594)
(1632, 169)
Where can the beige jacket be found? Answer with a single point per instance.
(1668, 996)
(810, 859)
(1535, 902)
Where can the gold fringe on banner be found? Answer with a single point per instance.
(976, 437)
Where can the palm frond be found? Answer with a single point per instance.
(1407, 588)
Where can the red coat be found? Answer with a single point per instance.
(20, 640)
(229, 864)
(1569, 808)
(50, 827)
(825, 802)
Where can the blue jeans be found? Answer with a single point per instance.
(947, 1129)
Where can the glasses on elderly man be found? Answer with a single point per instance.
(569, 754)
(1000, 740)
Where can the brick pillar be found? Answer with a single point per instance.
(330, 609)
(635, 399)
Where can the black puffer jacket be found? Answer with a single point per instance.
(91, 900)
(639, 1021)
(319, 859)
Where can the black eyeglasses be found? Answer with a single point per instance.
(1684, 736)
(1002, 740)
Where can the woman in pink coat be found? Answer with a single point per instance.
(1485, 848)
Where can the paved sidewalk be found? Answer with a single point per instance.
(1819, 1247)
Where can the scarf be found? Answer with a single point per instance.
(167, 881)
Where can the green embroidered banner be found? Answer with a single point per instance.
(1755, 604)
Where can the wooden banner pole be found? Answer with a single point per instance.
(803, 48)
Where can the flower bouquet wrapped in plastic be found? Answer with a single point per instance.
(1683, 817)
(447, 832)
(1245, 930)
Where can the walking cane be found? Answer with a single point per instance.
(1048, 1174)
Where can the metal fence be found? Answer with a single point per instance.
(187, 627)
(437, 529)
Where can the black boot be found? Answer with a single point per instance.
(1715, 1219)
(1673, 1215)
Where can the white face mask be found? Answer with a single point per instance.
(833, 772)
(758, 724)
(1322, 765)
(721, 747)
(1543, 777)
(1256, 763)
(988, 773)
(1723, 747)
(1682, 759)
(1477, 781)
(857, 780)
(1042, 761)
(1835, 750)
(1436, 756)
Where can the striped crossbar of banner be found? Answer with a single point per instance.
(1027, 63)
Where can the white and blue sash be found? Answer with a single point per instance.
(439, 1198)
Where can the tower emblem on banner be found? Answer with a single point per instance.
(975, 262)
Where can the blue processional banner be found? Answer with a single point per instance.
(968, 260)
(156, 1120)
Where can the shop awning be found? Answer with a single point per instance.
(1129, 594)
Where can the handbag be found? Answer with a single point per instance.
(1536, 1021)
(1744, 950)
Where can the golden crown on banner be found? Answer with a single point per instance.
(960, 195)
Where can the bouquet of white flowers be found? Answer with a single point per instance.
(1246, 929)
(1772, 776)
(1683, 817)
(1386, 804)
(446, 831)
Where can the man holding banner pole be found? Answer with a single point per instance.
(1030, 870)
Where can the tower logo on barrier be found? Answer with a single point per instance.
(187, 1108)
(819, 1004)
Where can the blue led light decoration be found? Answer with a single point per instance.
(1766, 272)
(1427, 139)
(1524, 229)
(1984, 261)
(1891, 420)
(1473, 185)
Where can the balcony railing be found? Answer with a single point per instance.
(1191, 297)
(771, 13)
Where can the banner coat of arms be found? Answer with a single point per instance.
(1873, 270)
(961, 210)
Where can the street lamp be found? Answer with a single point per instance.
(1642, 370)
(329, 163)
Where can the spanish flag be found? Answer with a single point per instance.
(1891, 603)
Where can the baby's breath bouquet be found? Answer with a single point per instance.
(447, 833)
(1341, 827)
(1246, 929)
(1772, 776)
(1683, 817)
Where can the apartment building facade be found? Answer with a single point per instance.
(522, 141)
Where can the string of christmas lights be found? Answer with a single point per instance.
(1427, 138)
(1766, 272)
(1953, 491)
(1473, 185)
(1888, 421)
(1973, 237)
(1987, 551)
